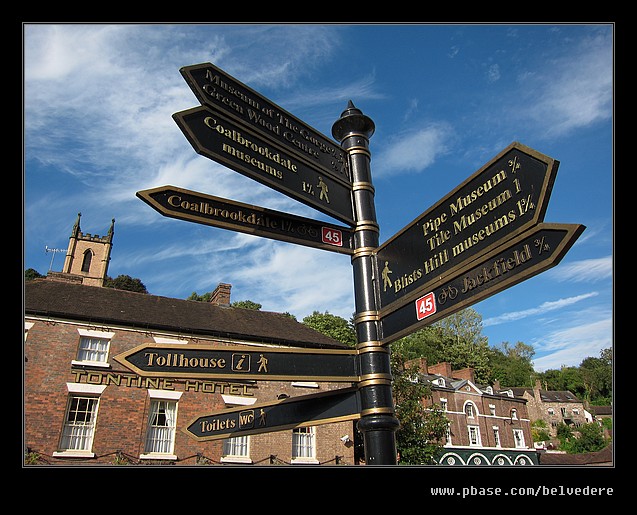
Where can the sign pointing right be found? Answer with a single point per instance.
(504, 198)
(527, 255)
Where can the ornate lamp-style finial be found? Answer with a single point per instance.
(352, 121)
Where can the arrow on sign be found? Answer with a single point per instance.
(245, 362)
(223, 140)
(307, 410)
(227, 214)
(222, 92)
(504, 198)
(525, 256)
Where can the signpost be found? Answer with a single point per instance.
(530, 253)
(483, 237)
(227, 214)
(307, 410)
(239, 148)
(504, 198)
(245, 362)
(225, 94)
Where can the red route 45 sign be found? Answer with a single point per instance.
(425, 306)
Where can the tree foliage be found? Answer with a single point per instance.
(333, 326)
(125, 282)
(422, 429)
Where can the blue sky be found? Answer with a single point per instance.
(445, 99)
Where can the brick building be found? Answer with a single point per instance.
(81, 406)
(554, 407)
(487, 425)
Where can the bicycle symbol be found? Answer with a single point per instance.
(448, 292)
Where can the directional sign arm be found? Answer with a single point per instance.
(531, 253)
(242, 362)
(205, 209)
(308, 410)
(221, 139)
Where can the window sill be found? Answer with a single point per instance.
(73, 454)
(157, 456)
(236, 459)
(100, 364)
(304, 461)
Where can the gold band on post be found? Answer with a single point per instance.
(372, 411)
(363, 251)
(359, 150)
(366, 316)
(362, 185)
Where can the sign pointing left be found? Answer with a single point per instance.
(228, 214)
(315, 409)
(223, 140)
(242, 362)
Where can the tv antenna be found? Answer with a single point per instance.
(54, 251)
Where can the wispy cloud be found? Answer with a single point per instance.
(572, 92)
(413, 151)
(586, 270)
(545, 307)
(568, 347)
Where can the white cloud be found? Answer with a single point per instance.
(585, 270)
(541, 309)
(572, 345)
(413, 151)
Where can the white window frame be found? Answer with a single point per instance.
(473, 409)
(73, 430)
(518, 438)
(496, 436)
(171, 398)
(304, 445)
(236, 450)
(474, 430)
(89, 334)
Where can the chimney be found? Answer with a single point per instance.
(465, 373)
(496, 385)
(221, 295)
(443, 369)
(421, 363)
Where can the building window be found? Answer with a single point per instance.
(448, 434)
(496, 436)
(551, 411)
(79, 425)
(86, 262)
(474, 436)
(469, 410)
(514, 414)
(162, 423)
(518, 436)
(492, 409)
(93, 347)
(236, 449)
(304, 445)
(443, 404)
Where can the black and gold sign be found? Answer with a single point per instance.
(504, 198)
(221, 139)
(315, 409)
(228, 214)
(222, 92)
(246, 362)
(529, 254)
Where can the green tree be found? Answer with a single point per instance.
(465, 346)
(597, 375)
(333, 326)
(31, 273)
(512, 366)
(425, 343)
(125, 282)
(246, 304)
(420, 435)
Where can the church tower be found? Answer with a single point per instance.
(88, 255)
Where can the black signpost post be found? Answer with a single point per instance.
(378, 422)
(484, 236)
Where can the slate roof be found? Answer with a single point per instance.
(108, 306)
(548, 395)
